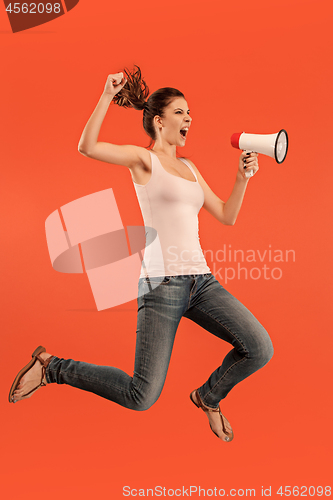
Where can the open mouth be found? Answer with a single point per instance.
(183, 132)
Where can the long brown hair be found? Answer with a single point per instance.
(134, 94)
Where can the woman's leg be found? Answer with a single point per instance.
(216, 310)
(159, 313)
(157, 323)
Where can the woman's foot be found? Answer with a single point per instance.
(32, 379)
(218, 423)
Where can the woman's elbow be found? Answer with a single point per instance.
(227, 222)
(84, 150)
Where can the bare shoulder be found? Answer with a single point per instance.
(191, 162)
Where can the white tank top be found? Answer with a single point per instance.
(170, 205)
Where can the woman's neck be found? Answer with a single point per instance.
(165, 149)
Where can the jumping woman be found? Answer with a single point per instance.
(170, 192)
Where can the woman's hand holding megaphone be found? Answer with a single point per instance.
(248, 164)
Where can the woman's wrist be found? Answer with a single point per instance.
(241, 179)
(107, 97)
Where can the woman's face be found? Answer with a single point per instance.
(174, 125)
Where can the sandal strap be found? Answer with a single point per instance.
(209, 410)
(203, 407)
(44, 363)
(222, 422)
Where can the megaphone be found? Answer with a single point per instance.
(273, 145)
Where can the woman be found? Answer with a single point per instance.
(170, 192)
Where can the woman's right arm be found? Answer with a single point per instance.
(129, 156)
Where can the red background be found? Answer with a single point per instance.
(245, 66)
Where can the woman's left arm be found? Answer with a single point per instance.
(227, 212)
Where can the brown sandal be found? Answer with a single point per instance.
(200, 404)
(44, 363)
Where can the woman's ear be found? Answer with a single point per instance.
(157, 123)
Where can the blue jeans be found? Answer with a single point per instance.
(200, 298)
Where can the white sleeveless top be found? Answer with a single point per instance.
(170, 205)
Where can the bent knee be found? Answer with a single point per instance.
(143, 403)
(262, 350)
(266, 350)
(268, 354)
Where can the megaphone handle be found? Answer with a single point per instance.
(249, 173)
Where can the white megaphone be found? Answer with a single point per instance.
(273, 145)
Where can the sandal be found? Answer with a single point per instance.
(229, 436)
(44, 363)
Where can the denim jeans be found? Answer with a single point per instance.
(203, 300)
